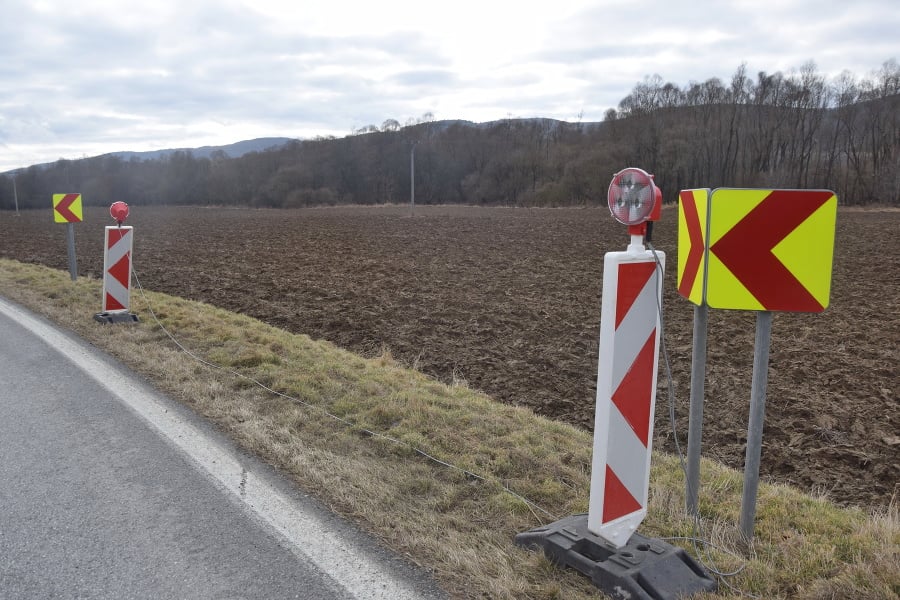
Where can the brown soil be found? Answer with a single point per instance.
(509, 300)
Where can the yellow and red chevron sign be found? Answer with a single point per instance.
(67, 208)
(749, 249)
(692, 211)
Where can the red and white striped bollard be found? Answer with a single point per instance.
(626, 392)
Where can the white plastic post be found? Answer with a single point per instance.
(117, 269)
(626, 392)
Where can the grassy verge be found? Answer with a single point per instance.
(459, 527)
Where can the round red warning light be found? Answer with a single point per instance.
(119, 212)
(632, 196)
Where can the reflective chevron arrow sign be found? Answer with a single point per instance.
(67, 208)
(626, 393)
(117, 269)
(692, 209)
(749, 249)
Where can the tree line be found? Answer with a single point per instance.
(795, 130)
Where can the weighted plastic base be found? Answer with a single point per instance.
(116, 317)
(643, 569)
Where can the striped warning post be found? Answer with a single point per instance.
(117, 269)
(626, 393)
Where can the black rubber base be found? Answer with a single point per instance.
(116, 317)
(643, 569)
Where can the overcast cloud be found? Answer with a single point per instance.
(89, 77)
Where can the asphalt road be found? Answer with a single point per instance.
(109, 490)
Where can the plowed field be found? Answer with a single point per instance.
(509, 301)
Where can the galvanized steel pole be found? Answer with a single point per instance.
(695, 422)
(70, 238)
(757, 417)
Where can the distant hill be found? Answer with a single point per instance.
(231, 150)
(234, 150)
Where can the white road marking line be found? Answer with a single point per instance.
(334, 554)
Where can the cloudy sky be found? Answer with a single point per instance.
(84, 77)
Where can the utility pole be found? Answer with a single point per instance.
(15, 195)
(412, 177)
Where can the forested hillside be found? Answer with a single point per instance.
(796, 130)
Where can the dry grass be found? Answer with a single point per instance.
(347, 429)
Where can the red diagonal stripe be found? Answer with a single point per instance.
(632, 279)
(63, 208)
(695, 234)
(746, 249)
(617, 500)
(113, 304)
(121, 271)
(633, 395)
(114, 236)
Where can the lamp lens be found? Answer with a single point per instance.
(631, 196)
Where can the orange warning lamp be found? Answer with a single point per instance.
(119, 212)
(634, 199)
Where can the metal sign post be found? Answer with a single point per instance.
(695, 418)
(755, 426)
(70, 243)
